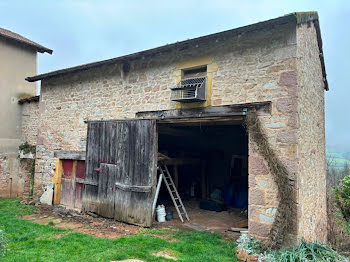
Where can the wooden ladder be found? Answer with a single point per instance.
(173, 191)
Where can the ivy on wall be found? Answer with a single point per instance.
(284, 216)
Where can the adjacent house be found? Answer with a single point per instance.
(18, 59)
(103, 124)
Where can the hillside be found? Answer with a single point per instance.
(338, 157)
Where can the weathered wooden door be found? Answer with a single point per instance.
(120, 169)
(79, 184)
(67, 183)
(72, 183)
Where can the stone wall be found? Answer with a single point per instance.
(15, 172)
(4, 177)
(30, 122)
(311, 137)
(255, 66)
(14, 175)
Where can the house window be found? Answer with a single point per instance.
(192, 87)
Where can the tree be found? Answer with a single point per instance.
(346, 170)
(342, 197)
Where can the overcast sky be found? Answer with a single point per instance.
(86, 31)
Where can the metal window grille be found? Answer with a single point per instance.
(190, 90)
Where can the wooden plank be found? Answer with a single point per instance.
(238, 229)
(106, 190)
(176, 176)
(181, 161)
(57, 182)
(74, 174)
(79, 184)
(67, 183)
(162, 157)
(203, 112)
(70, 155)
(79, 188)
(144, 189)
(90, 195)
(138, 155)
(215, 120)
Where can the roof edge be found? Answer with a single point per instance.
(312, 16)
(37, 47)
(296, 17)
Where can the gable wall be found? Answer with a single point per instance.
(311, 137)
(252, 67)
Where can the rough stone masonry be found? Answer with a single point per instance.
(277, 61)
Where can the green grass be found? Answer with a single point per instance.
(28, 241)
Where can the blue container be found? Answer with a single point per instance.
(169, 215)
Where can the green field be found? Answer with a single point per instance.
(337, 157)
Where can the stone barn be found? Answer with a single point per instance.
(238, 114)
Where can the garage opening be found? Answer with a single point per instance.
(209, 165)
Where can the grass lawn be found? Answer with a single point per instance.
(28, 241)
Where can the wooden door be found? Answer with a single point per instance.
(120, 169)
(67, 183)
(72, 183)
(79, 183)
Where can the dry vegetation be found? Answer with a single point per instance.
(338, 236)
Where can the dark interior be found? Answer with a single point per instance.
(211, 163)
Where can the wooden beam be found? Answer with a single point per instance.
(162, 157)
(205, 112)
(71, 155)
(181, 161)
(213, 121)
(74, 174)
(57, 182)
(124, 187)
(176, 176)
(174, 131)
(238, 229)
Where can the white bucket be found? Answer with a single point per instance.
(161, 213)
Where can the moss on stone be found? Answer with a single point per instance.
(304, 17)
(26, 148)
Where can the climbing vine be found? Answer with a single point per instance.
(32, 172)
(284, 216)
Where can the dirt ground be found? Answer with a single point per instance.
(206, 221)
(200, 220)
(84, 223)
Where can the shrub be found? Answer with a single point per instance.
(250, 244)
(27, 148)
(306, 251)
(342, 198)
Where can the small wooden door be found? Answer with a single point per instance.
(67, 183)
(72, 183)
(120, 172)
(79, 184)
